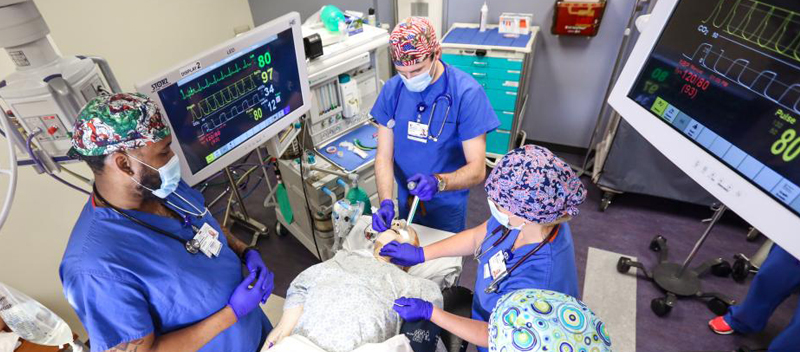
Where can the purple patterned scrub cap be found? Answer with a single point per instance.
(532, 183)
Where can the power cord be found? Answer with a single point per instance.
(29, 147)
(305, 192)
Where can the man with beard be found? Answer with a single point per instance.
(147, 268)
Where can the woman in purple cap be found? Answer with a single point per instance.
(526, 244)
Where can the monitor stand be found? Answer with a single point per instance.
(241, 216)
(679, 280)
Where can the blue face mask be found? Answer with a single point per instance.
(503, 219)
(170, 175)
(419, 82)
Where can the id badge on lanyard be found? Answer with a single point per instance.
(497, 265)
(418, 131)
(209, 241)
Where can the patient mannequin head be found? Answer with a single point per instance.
(398, 233)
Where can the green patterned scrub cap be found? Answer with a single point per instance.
(112, 123)
(541, 320)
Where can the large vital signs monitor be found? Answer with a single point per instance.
(229, 100)
(715, 86)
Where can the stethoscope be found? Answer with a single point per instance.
(192, 245)
(421, 107)
(493, 286)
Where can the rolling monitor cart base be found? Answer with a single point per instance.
(679, 280)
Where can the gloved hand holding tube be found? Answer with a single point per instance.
(382, 219)
(426, 186)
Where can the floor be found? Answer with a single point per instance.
(625, 228)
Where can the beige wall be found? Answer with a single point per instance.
(139, 39)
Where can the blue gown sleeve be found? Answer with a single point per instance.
(475, 113)
(112, 310)
(383, 109)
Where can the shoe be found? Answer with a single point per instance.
(719, 326)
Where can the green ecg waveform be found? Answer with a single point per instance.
(232, 70)
(770, 27)
(224, 97)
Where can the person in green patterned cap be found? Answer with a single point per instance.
(147, 268)
(541, 320)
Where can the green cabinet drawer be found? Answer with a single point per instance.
(496, 62)
(497, 142)
(492, 83)
(493, 73)
(482, 61)
(506, 119)
(502, 99)
(457, 60)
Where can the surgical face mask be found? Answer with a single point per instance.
(170, 175)
(503, 219)
(419, 82)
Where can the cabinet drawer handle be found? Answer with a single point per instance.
(479, 74)
(480, 63)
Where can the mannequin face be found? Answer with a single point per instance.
(398, 233)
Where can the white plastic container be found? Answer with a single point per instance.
(484, 15)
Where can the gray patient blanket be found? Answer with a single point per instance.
(347, 300)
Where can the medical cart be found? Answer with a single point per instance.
(329, 168)
(502, 66)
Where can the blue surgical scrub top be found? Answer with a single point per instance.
(126, 281)
(551, 268)
(471, 115)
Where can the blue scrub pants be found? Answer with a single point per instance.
(777, 278)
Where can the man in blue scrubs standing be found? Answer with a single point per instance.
(433, 123)
(776, 280)
(147, 268)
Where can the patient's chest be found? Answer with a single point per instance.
(350, 304)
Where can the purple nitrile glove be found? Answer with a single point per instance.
(413, 309)
(254, 263)
(427, 186)
(382, 219)
(403, 253)
(244, 299)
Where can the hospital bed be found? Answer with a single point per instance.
(444, 272)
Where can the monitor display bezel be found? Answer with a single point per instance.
(233, 47)
(744, 198)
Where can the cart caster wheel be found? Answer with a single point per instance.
(604, 204)
(660, 307)
(655, 246)
(740, 270)
(753, 235)
(624, 265)
(280, 231)
(722, 269)
(717, 306)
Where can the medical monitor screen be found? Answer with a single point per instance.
(726, 75)
(222, 106)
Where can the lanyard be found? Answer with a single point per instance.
(421, 107)
(479, 253)
(192, 246)
(492, 288)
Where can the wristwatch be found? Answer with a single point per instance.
(440, 182)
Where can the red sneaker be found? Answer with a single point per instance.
(719, 326)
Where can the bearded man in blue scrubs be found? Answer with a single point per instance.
(433, 123)
(147, 268)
